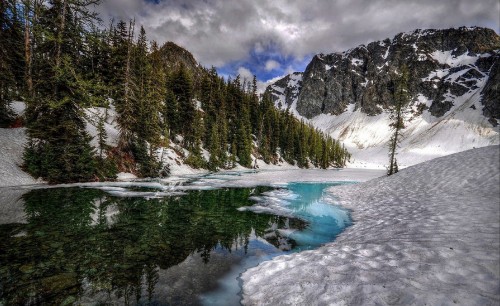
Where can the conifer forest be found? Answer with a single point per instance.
(58, 58)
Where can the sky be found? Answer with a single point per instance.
(271, 38)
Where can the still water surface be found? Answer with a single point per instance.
(87, 246)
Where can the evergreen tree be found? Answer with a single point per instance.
(102, 136)
(241, 124)
(140, 76)
(255, 115)
(181, 86)
(171, 113)
(401, 99)
(147, 166)
(214, 163)
(208, 105)
(222, 127)
(195, 158)
(96, 67)
(59, 148)
(125, 87)
(234, 152)
(11, 58)
(157, 90)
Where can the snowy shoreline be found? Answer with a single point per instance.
(13, 141)
(11, 151)
(427, 235)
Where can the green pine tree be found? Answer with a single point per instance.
(401, 99)
(214, 163)
(59, 148)
(182, 88)
(11, 58)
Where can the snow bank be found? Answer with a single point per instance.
(428, 235)
(425, 137)
(12, 142)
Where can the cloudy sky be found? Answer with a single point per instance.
(270, 38)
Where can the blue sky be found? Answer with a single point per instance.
(265, 64)
(273, 38)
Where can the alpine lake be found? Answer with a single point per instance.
(90, 246)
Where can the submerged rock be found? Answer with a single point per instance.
(60, 282)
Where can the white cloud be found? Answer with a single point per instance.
(245, 74)
(271, 65)
(218, 32)
(258, 48)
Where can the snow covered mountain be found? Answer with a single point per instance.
(454, 89)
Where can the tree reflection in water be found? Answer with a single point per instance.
(83, 245)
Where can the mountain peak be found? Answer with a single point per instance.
(444, 64)
(174, 55)
(453, 89)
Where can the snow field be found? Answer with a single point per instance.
(428, 235)
(12, 142)
(425, 137)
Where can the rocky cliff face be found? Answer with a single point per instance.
(174, 56)
(444, 65)
(286, 90)
(454, 89)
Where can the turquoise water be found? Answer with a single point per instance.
(304, 201)
(325, 221)
(88, 246)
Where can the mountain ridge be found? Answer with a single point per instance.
(454, 78)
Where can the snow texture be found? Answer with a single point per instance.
(12, 142)
(428, 235)
(425, 137)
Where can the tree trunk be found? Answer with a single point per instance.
(28, 47)
(125, 134)
(60, 35)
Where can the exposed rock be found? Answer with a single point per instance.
(491, 94)
(174, 55)
(286, 90)
(443, 65)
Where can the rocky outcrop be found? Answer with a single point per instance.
(491, 94)
(444, 66)
(174, 56)
(286, 90)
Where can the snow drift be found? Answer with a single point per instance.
(453, 103)
(429, 235)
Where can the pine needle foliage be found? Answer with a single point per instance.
(55, 57)
(401, 99)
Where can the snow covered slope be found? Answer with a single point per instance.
(455, 98)
(425, 136)
(12, 142)
(428, 235)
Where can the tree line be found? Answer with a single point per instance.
(56, 58)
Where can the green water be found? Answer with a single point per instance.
(84, 246)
